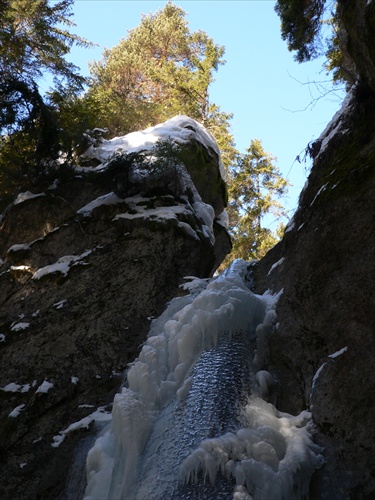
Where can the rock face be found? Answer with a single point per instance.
(323, 352)
(83, 272)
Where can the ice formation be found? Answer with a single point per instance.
(161, 432)
(273, 457)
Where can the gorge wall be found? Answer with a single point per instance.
(83, 271)
(323, 352)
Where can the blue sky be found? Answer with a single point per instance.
(263, 86)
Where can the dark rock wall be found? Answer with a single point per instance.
(88, 324)
(323, 352)
(358, 21)
(328, 303)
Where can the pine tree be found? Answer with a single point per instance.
(160, 70)
(255, 183)
(32, 41)
(302, 27)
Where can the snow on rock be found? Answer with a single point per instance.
(317, 375)
(338, 353)
(181, 129)
(62, 266)
(60, 304)
(194, 284)
(290, 226)
(19, 247)
(99, 415)
(335, 125)
(320, 369)
(276, 264)
(323, 188)
(159, 213)
(14, 387)
(20, 268)
(2, 337)
(16, 327)
(45, 387)
(107, 199)
(17, 411)
(27, 196)
(137, 209)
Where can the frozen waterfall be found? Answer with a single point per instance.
(196, 418)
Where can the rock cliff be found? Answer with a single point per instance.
(85, 265)
(323, 351)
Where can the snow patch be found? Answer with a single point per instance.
(194, 284)
(320, 369)
(107, 199)
(290, 226)
(60, 305)
(62, 266)
(45, 387)
(338, 353)
(335, 124)
(138, 208)
(21, 268)
(26, 196)
(14, 387)
(16, 327)
(17, 411)
(317, 375)
(318, 193)
(188, 230)
(99, 415)
(19, 247)
(180, 129)
(276, 264)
